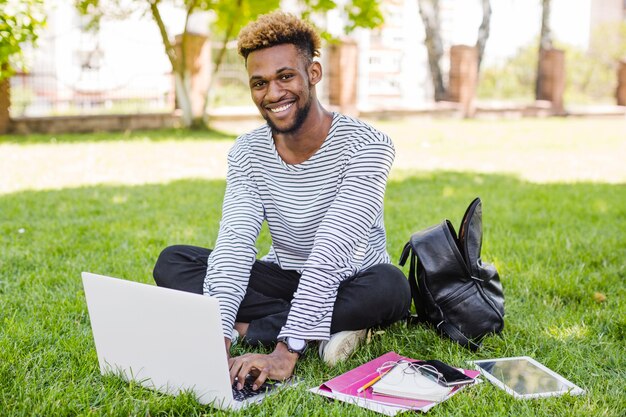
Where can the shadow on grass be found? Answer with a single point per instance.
(133, 135)
(560, 250)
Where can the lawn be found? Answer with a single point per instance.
(560, 249)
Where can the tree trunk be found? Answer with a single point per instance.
(182, 87)
(483, 31)
(545, 43)
(176, 56)
(429, 11)
(5, 103)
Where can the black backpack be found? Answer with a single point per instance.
(451, 287)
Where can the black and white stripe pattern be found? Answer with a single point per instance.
(325, 217)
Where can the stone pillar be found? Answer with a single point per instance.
(552, 76)
(342, 76)
(199, 66)
(463, 77)
(5, 103)
(621, 84)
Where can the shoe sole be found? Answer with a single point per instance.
(345, 346)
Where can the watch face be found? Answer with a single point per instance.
(296, 345)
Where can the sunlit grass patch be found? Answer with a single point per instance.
(556, 247)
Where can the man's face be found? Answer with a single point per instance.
(281, 85)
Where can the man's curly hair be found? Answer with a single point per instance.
(279, 28)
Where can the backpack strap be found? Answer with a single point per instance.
(415, 291)
(455, 334)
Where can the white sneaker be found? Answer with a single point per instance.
(234, 338)
(340, 346)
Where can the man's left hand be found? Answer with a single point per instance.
(278, 365)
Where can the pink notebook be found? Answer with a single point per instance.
(344, 387)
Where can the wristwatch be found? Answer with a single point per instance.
(294, 345)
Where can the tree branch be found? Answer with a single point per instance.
(429, 11)
(545, 43)
(483, 31)
(169, 48)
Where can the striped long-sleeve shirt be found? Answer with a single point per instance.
(325, 217)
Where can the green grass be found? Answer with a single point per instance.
(556, 246)
(131, 135)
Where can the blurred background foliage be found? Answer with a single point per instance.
(590, 75)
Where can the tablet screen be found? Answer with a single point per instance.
(525, 377)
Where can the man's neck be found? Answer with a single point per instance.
(298, 146)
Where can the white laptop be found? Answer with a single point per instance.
(164, 339)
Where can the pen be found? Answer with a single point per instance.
(372, 382)
(369, 384)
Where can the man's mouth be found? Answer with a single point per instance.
(281, 108)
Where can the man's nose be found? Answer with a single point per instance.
(274, 91)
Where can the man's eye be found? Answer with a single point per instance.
(258, 84)
(286, 76)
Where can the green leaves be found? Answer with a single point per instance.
(363, 13)
(20, 21)
(356, 13)
(231, 16)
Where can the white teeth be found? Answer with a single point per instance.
(281, 108)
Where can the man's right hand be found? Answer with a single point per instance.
(278, 365)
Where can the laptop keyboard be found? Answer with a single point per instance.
(247, 391)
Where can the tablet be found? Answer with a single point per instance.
(524, 377)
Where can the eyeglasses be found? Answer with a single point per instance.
(409, 369)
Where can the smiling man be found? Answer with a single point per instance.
(318, 179)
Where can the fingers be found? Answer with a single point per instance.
(242, 366)
(260, 380)
(235, 367)
(243, 374)
(276, 366)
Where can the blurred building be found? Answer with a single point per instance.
(123, 68)
(120, 69)
(393, 61)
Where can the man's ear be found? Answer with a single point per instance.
(315, 72)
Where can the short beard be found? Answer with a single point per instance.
(301, 116)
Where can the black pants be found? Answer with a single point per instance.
(375, 297)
